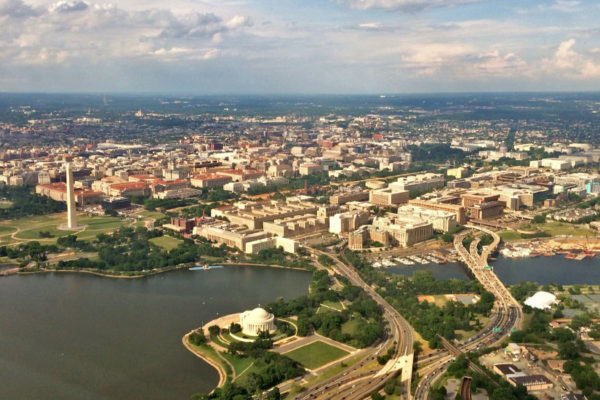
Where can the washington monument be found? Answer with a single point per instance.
(71, 224)
(71, 215)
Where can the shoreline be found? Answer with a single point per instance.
(149, 273)
(215, 364)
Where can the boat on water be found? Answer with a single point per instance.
(205, 267)
(570, 256)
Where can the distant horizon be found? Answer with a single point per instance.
(298, 94)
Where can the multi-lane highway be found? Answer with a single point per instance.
(507, 312)
(355, 383)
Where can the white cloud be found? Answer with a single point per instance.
(567, 61)
(404, 5)
(238, 21)
(66, 30)
(369, 25)
(494, 63)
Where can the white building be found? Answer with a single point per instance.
(288, 245)
(442, 220)
(258, 320)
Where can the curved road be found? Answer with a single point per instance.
(508, 313)
(353, 384)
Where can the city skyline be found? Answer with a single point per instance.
(270, 47)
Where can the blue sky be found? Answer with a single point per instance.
(303, 46)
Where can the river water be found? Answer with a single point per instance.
(543, 270)
(75, 336)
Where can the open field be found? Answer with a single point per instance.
(562, 228)
(152, 214)
(508, 236)
(166, 242)
(316, 354)
(28, 229)
(353, 326)
(439, 300)
(332, 305)
(240, 364)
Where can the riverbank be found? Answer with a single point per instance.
(550, 246)
(144, 330)
(134, 275)
(204, 355)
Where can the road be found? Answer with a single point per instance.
(507, 312)
(353, 384)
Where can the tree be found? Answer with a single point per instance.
(539, 219)
(214, 330)
(274, 394)
(390, 387)
(376, 396)
(235, 328)
(417, 348)
(197, 337)
(568, 350)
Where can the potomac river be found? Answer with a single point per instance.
(79, 336)
(543, 270)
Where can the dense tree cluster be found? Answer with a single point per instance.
(428, 319)
(131, 250)
(436, 152)
(25, 202)
(362, 312)
(28, 251)
(268, 370)
(276, 256)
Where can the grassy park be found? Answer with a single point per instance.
(166, 242)
(152, 214)
(26, 229)
(316, 354)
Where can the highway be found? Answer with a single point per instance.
(507, 313)
(352, 383)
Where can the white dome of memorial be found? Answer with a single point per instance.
(258, 320)
(541, 300)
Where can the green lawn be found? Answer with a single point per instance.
(166, 242)
(316, 354)
(30, 227)
(353, 326)
(507, 236)
(239, 363)
(563, 228)
(335, 305)
(152, 214)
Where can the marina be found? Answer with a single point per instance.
(421, 259)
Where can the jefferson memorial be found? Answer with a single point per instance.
(258, 320)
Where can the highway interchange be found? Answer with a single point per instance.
(357, 382)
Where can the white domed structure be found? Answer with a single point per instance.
(258, 320)
(541, 300)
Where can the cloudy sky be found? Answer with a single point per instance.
(299, 46)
